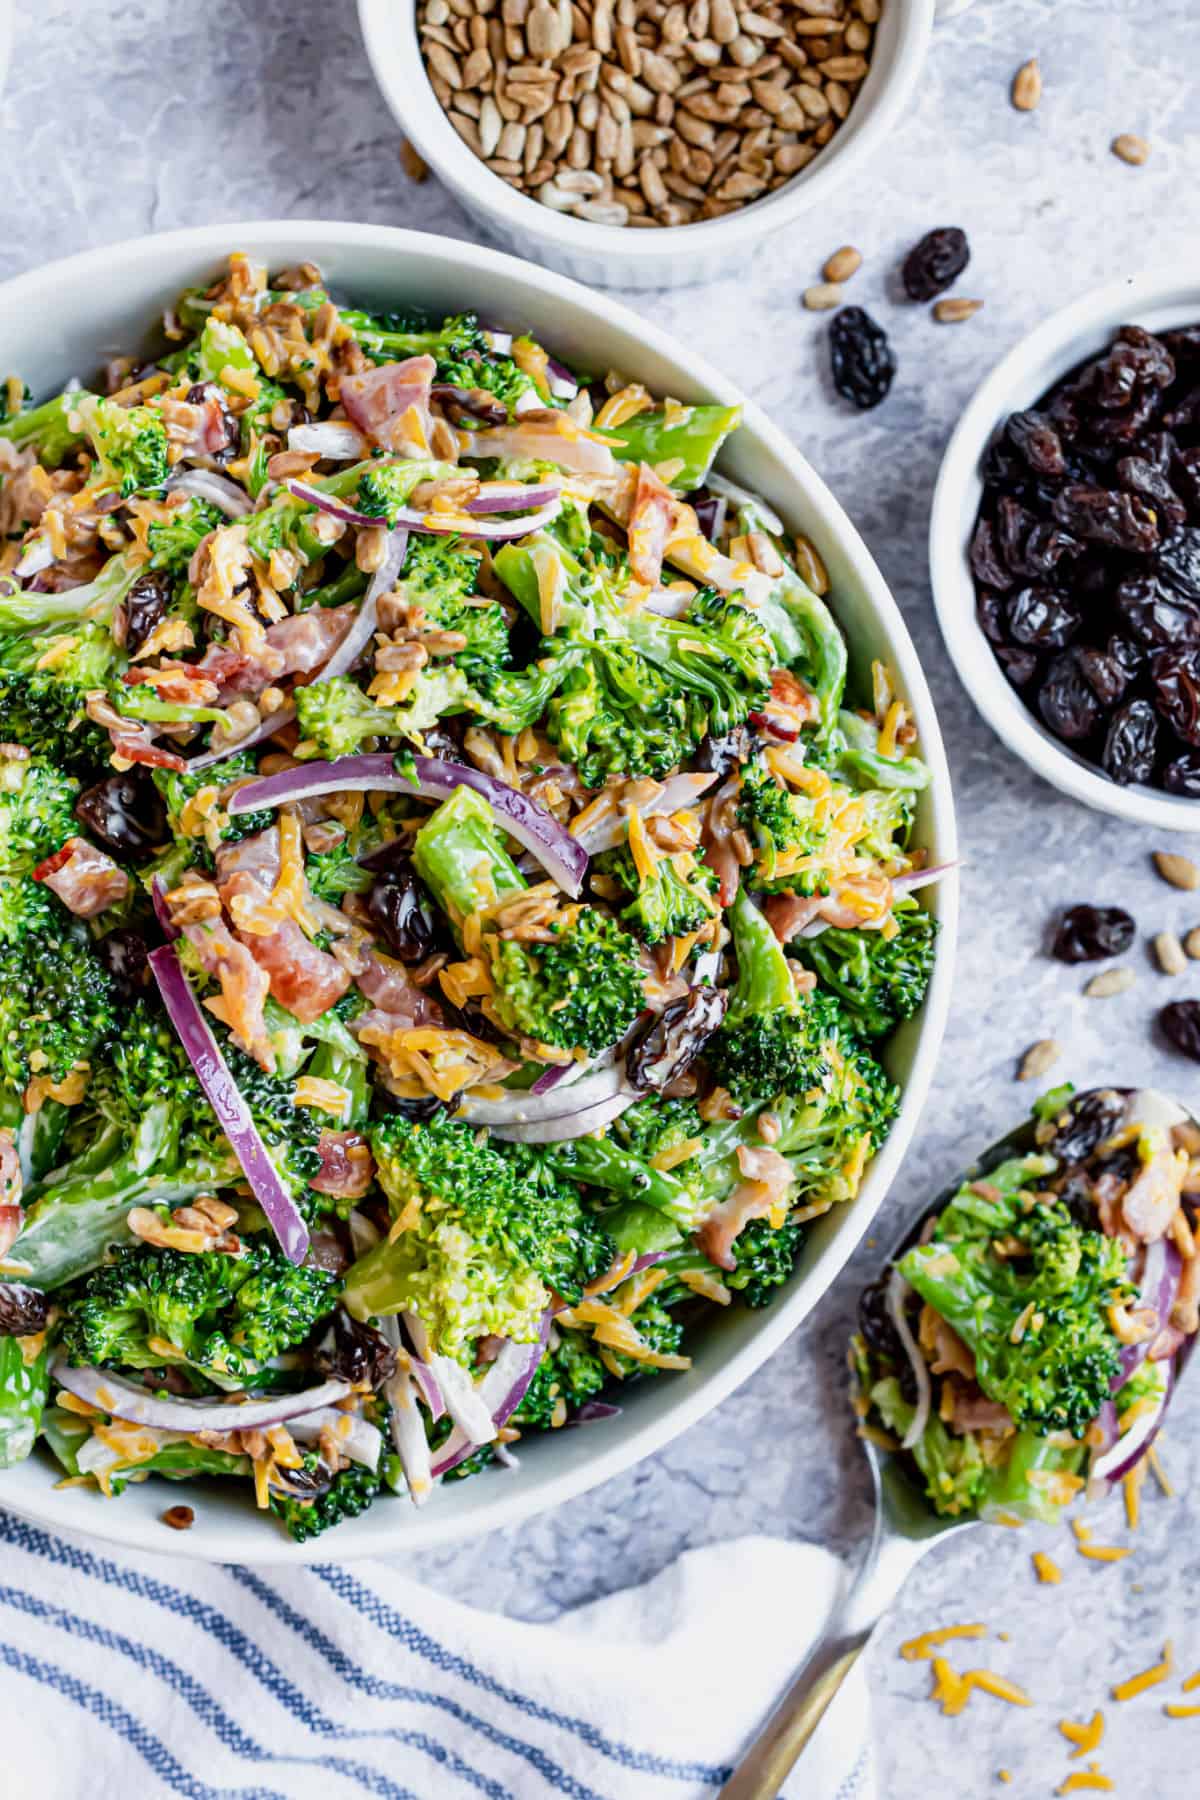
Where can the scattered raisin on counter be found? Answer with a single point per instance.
(935, 263)
(1086, 558)
(179, 1518)
(863, 364)
(1088, 933)
(1181, 1024)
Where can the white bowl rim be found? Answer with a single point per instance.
(1035, 363)
(457, 165)
(518, 1500)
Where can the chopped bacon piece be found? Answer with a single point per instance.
(973, 1411)
(389, 986)
(788, 914)
(244, 987)
(347, 1166)
(768, 1178)
(391, 403)
(86, 879)
(202, 426)
(297, 645)
(302, 978)
(256, 855)
(181, 683)
(649, 526)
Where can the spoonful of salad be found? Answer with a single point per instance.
(1019, 1351)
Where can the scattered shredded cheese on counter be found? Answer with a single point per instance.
(1175, 1711)
(920, 1649)
(953, 1690)
(1047, 1569)
(1088, 1780)
(1137, 1684)
(1085, 1738)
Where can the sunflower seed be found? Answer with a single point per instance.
(1178, 870)
(1038, 1058)
(1130, 148)
(1108, 983)
(1027, 86)
(1169, 951)
(953, 312)
(822, 297)
(843, 264)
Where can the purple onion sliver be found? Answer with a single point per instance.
(549, 1078)
(1161, 1275)
(226, 1100)
(217, 490)
(594, 1412)
(517, 497)
(326, 503)
(574, 1123)
(123, 1399)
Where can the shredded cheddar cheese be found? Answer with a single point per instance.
(920, 1649)
(952, 1690)
(1085, 1738)
(1148, 1678)
(1047, 1569)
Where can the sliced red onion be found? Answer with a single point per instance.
(710, 510)
(465, 1402)
(676, 794)
(897, 1292)
(511, 496)
(1133, 1444)
(494, 530)
(36, 556)
(563, 859)
(577, 1123)
(502, 1389)
(577, 1086)
(218, 490)
(162, 912)
(551, 1077)
(422, 1369)
(233, 1115)
(266, 728)
(408, 1435)
(328, 503)
(363, 628)
(593, 1412)
(336, 440)
(563, 384)
(1161, 1275)
(720, 484)
(167, 1412)
(361, 1441)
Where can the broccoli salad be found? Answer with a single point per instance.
(1024, 1347)
(454, 896)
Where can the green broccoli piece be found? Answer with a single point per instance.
(385, 487)
(1036, 1316)
(47, 715)
(879, 980)
(656, 1123)
(37, 812)
(28, 910)
(52, 429)
(768, 1042)
(494, 373)
(129, 443)
(441, 578)
(351, 1491)
(332, 874)
(57, 1004)
(954, 1470)
(765, 1255)
(583, 988)
(775, 821)
(679, 897)
(174, 541)
(178, 786)
(24, 1390)
(390, 337)
(337, 718)
(567, 1375)
(225, 1316)
(29, 617)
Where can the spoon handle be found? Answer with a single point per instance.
(767, 1764)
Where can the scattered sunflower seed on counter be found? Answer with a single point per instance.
(646, 112)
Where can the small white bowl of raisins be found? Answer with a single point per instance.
(1065, 549)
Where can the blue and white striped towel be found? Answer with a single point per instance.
(149, 1676)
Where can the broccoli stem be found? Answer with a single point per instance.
(598, 1162)
(764, 980)
(1008, 1488)
(460, 858)
(862, 761)
(46, 427)
(692, 436)
(23, 1391)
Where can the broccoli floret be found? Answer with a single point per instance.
(57, 1004)
(290, 1132)
(481, 1243)
(656, 1123)
(678, 897)
(129, 442)
(496, 374)
(37, 812)
(332, 874)
(768, 1042)
(390, 337)
(774, 820)
(28, 617)
(350, 1492)
(647, 689)
(1036, 1316)
(567, 1375)
(27, 910)
(48, 716)
(178, 786)
(337, 718)
(569, 1244)
(385, 487)
(441, 578)
(766, 1256)
(581, 989)
(879, 980)
(954, 1470)
(174, 541)
(47, 429)
(223, 1315)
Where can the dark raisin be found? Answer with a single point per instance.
(986, 563)
(1066, 701)
(468, 406)
(1014, 523)
(1106, 516)
(125, 812)
(1090, 1118)
(1185, 413)
(1187, 478)
(125, 955)
(141, 610)
(1179, 562)
(863, 365)
(1131, 746)
(674, 1039)
(1075, 1193)
(710, 510)
(355, 1352)
(1181, 1025)
(1045, 548)
(400, 912)
(1138, 476)
(1088, 933)
(1034, 436)
(717, 755)
(992, 617)
(1021, 666)
(1156, 616)
(1158, 449)
(1137, 362)
(23, 1310)
(1104, 674)
(1176, 678)
(935, 263)
(1182, 776)
(1042, 619)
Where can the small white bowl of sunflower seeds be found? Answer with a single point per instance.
(644, 143)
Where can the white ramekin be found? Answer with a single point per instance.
(66, 319)
(1158, 299)
(615, 256)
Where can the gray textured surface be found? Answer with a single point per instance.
(123, 117)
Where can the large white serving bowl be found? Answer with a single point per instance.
(654, 256)
(66, 319)
(1159, 299)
